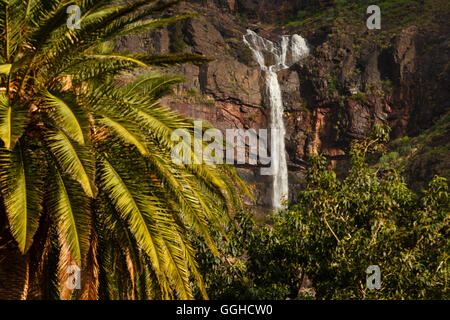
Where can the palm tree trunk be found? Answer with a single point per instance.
(13, 265)
(21, 274)
(90, 273)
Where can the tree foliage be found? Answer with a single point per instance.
(337, 229)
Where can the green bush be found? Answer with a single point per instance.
(335, 232)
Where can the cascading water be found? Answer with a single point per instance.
(290, 50)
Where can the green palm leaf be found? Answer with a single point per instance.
(101, 154)
(76, 160)
(174, 59)
(12, 122)
(69, 204)
(135, 208)
(177, 269)
(153, 86)
(126, 132)
(67, 115)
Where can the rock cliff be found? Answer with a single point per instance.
(353, 79)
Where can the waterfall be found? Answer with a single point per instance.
(288, 51)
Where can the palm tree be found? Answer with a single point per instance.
(86, 176)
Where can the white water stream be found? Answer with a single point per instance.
(290, 50)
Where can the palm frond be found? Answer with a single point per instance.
(91, 156)
(12, 122)
(74, 159)
(153, 86)
(68, 116)
(174, 59)
(69, 205)
(135, 207)
(126, 132)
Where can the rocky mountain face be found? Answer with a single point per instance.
(354, 77)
